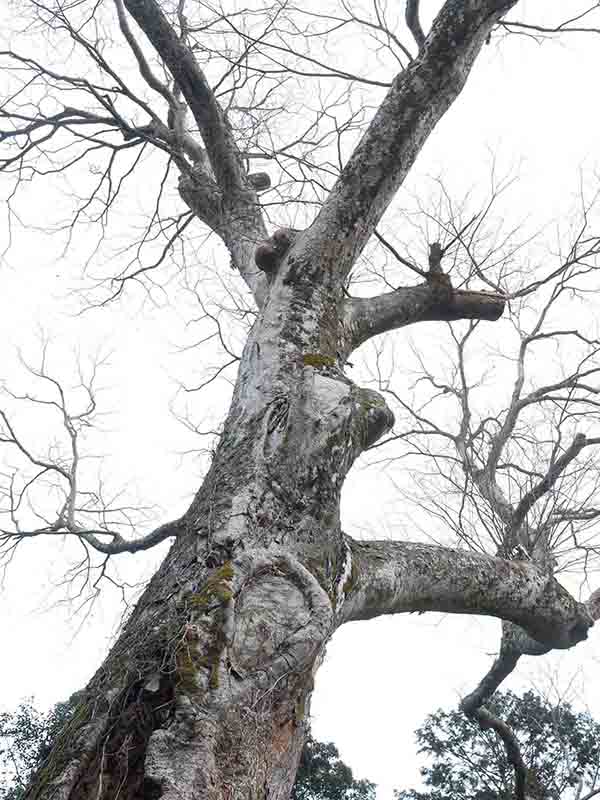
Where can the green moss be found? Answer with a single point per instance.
(226, 571)
(215, 592)
(217, 589)
(186, 670)
(317, 360)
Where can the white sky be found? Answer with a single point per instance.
(534, 106)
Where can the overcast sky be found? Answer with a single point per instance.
(535, 107)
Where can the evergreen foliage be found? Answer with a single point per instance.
(561, 747)
(322, 775)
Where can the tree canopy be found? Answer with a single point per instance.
(26, 738)
(560, 746)
(322, 775)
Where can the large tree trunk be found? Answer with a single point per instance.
(206, 692)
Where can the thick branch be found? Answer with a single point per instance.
(371, 316)
(143, 65)
(117, 545)
(228, 204)
(543, 486)
(413, 23)
(472, 705)
(395, 577)
(487, 720)
(502, 667)
(217, 135)
(241, 227)
(417, 100)
(515, 643)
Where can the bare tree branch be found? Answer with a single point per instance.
(77, 506)
(543, 486)
(570, 25)
(473, 706)
(224, 158)
(395, 577)
(368, 317)
(413, 23)
(396, 134)
(9, 540)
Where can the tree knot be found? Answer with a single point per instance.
(436, 277)
(377, 419)
(259, 181)
(202, 195)
(270, 253)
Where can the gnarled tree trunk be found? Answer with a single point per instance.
(206, 692)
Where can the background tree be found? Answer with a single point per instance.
(322, 775)
(26, 738)
(206, 691)
(561, 746)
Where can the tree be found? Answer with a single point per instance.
(561, 746)
(207, 689)
(322, 775)
(27, 736)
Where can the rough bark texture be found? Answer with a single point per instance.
(206, 692)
